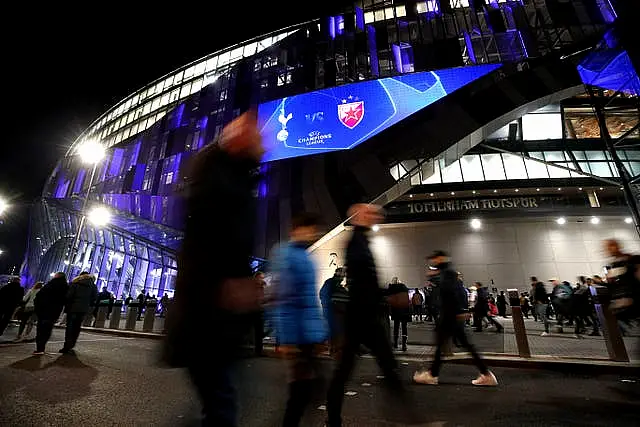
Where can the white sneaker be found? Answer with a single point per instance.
(545, 334)
(425, 377)
(487, 380)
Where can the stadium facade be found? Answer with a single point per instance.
(441, 110)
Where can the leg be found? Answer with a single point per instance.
(342, 373)
(442, 338)
(495, 323)
(213, 382)
(43, 333)
(405, 335)
(477, 321)
(4, 321)
(541, 310)
(74, 324)
(30, 322)
(24, 317)
(302, 373)
(464, 342)
(396, 332)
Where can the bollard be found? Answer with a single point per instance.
(116, 312)
(149, 316)
(101, 316)
(610, 330)
(518, 324)
(132, 317)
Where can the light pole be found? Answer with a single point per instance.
(90, 152)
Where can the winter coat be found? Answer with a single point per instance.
(82, 294)
(218, 243)
(365, 294)
(29, 299)
(400, 314)
(453, 298)
(10, 297)
(51, 298)
(297, 312)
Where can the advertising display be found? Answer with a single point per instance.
(342, 117)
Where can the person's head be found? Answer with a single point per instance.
(582, 280)
(502, 293)
(241, 138)
(534, 280)
(612, 247)
(554, 281)
(104, 289)
(394, 281)
(258, 275)
(597, 279)
(438, 258)
(365, 215)
(478, 285)
(84, 273)
(38, 285)
(60, 275)
(305, 227)
(339, 274)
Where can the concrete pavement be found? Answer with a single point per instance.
(117, 381)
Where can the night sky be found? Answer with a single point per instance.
(62, 68)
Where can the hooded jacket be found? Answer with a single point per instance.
(82, 294)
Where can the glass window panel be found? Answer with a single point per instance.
(584, 166)
(555, 172)
(541, 126)
(379, 15)
(165, 99)
(155, 104)
(236, 53)
(196, 85)
(502, 133)
(199, 69)
(579, 155)
(223, 59)
(536, 155)
(634, 168)
(249, 49)
(514, 166)
(184, 91)
(595, 155)
(168, 82)
(633, 154)
(415, 178)
(554, 156)
(435, 178)
(472, 168)
(401, 11)
(600, 168)
(368, 17)
(394, 172)
(452, 173)
(493, 168)
(535, 169)
(188, 73)
(212, 64)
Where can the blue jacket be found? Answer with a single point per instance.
(297, 313)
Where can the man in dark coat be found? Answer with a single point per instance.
(48, 305)
(400, 315)
(481, 309)
(215, 291)
(81, 297)
(10, 297)
(363, 324)
(453, 306)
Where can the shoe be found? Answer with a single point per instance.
(594, 334)
(425, 377)
(580, 337)
(486, 380)
(38, 353)
(67, 351)
(545, 334)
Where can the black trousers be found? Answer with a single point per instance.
(213, 381)
(455, 329)
(305, 378)
(396, 330)
(5, 318)
(43, 333)
(71, 334)
(369, 331)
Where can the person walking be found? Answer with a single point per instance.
(481, 310)
(399, 314)
(81, 296)
(48, 305)
(333, 297)
(363, 323)
(10, 298)
(300, 326)
(417, 301)
(501, 302)
(27, 315)
(451, 324)
(216, 292)
(541, 303)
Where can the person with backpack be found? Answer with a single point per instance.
(400, 310)
(561, 297)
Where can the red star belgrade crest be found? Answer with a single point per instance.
(351, 114)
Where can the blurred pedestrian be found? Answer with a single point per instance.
(215, 289)
(363, 324)
(48, 305)
(453, 302)
(10, 298)
(81, 296)
(27, 315)
(300, 326)
(482, 310)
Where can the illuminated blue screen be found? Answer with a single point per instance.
(342, 117)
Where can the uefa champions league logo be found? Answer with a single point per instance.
(351, 113)
(283, 134)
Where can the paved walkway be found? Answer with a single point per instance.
(117, 381)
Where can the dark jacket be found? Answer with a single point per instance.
(218, 242)
(82, 294)
(540, 294)
(482, 302)
(10, 296)
(365, 295)
(400, 314)
(51, 298)
(453, 299)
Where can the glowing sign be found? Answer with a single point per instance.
(342, 117)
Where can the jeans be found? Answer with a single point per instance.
(370, 332)
(213, 382)
(43, 333)
(455, 330)
(71, 334)
(27, 319)
(541, 310)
